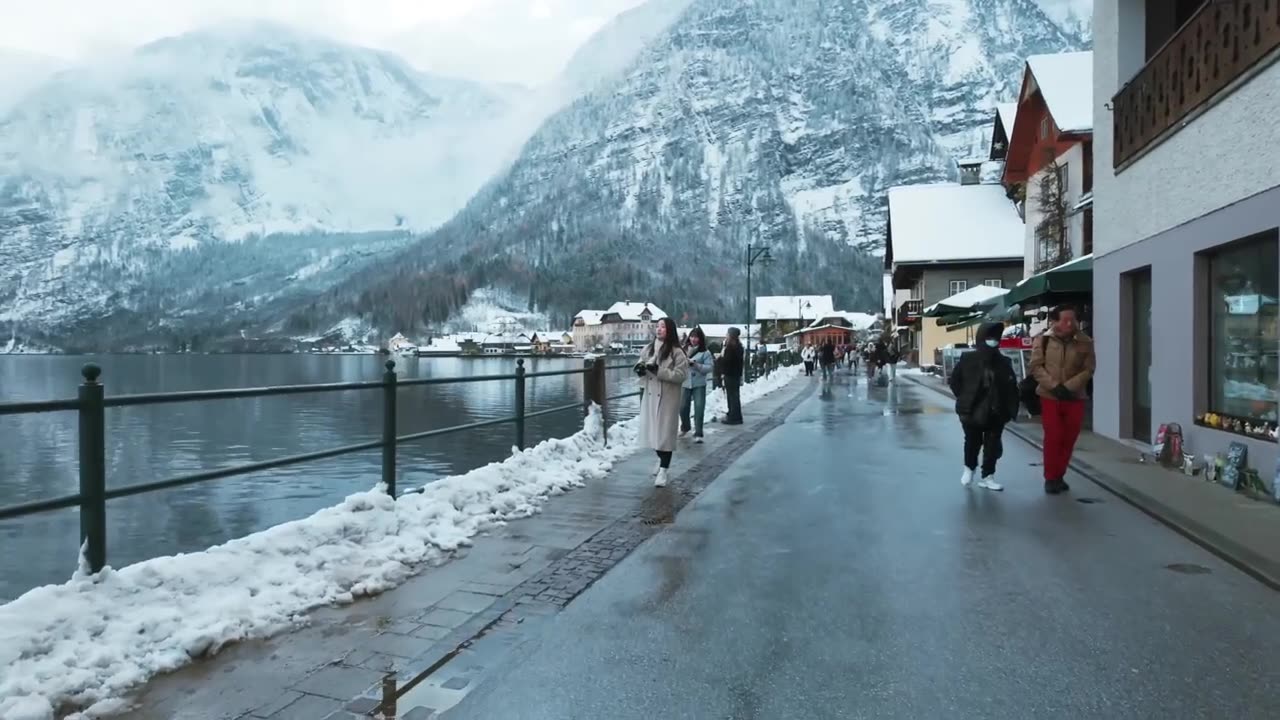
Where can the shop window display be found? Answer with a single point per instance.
(1244, 372)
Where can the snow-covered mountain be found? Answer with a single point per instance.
(224, 167)
(22, 71)
(778, 121)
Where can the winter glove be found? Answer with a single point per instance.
(639, 369)
(652, 367)
(1062, 393)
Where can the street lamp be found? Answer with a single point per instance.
(755, 253)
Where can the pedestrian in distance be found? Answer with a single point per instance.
(733, 360)
(1062, 363)
(827, 359)
(808, 355)
(662, 369)
(986, 392)
(694, 392)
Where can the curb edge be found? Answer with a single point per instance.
(1235, 554)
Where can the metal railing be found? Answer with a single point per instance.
(92, 401)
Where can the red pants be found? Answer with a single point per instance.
(1061, 420)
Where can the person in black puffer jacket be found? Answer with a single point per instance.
(987, 399)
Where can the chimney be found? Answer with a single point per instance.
(970, 171)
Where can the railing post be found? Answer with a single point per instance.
(93, 469)
(595, 390)
(520, 403)
(389, 428)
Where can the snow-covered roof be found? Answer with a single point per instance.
(589, 317)
(859, 321)
(1007, 113)
(630, 311)
(966, 299)
(721, 330)
(950, 222)
(786, 307)
(1066, 83)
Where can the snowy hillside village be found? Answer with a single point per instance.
(781, 322)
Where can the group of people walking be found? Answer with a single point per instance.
(673, 377)
(987, 392)
(988, 397)
(829, 357)
(826, 356)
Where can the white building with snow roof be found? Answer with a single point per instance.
(626, 324)
(778, 315)
(1049, 160)
(588, 330)
(944, 239)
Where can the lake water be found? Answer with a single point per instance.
(38, 455)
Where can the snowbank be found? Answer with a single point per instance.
(85, 643)
(717, 406)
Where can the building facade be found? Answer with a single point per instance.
(1048, 167)
(625, 325)
(1187, 198)
(942, 240)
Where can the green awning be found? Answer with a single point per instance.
(1072, 278)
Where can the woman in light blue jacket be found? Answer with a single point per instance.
(701, 363)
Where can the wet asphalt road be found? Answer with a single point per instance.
(838, 570)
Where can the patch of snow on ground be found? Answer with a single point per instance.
(89, 641)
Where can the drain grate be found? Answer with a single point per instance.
(1088, 500)
(1188, 568)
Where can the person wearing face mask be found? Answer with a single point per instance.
(987, 399)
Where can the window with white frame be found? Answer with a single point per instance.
(957, 286)
(993, 283)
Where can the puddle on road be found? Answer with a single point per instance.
(1188, 568)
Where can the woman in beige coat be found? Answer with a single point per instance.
(663, 368)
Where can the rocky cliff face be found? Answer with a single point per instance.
(760, 121)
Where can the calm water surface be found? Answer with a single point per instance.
(38, 452)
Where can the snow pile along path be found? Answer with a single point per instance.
(85, 643)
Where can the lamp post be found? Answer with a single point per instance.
(755, 253)
(801, 306)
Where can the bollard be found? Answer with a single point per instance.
(595, 390)
(93, 469)
(520, 404)
(389, 428)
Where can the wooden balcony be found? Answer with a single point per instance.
(909, 311)
(1215, 47)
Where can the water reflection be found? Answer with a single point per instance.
(38, 452)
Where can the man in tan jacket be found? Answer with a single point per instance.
(1062, 362)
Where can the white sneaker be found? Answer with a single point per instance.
(967, 478)
(989, 483)
(697, 440)
(657, 465)
(660, 480)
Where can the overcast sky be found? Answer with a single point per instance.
(523, 41)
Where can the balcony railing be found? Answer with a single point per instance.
(1214, 48)
(909, 311)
